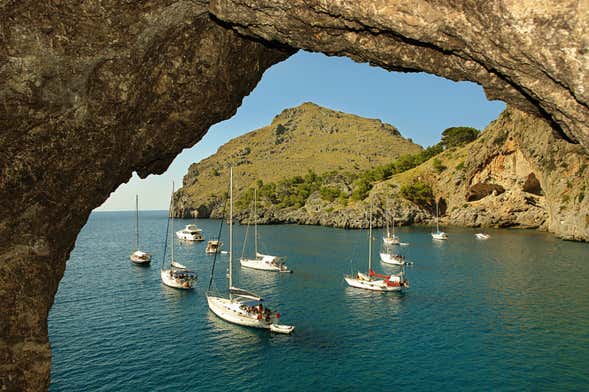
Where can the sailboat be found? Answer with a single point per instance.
(390, 238)
(177, 275)
(139, 257)
(262, 262)
(373, 281)
(388, 255)
(242, 307)
(438, 235)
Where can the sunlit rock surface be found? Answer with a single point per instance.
(531, 54)
(89, 93)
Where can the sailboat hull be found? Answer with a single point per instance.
(232, 312)
(391, 240)
(391, 259)
(263, 265)
(140, 258)
(440, 236)
(169, 280)
(373, 285)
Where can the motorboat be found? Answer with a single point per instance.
(213, 246)
(190, 233)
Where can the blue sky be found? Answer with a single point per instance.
(420, 105)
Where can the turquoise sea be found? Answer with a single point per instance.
(510, 313)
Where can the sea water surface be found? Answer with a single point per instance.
(510, 313)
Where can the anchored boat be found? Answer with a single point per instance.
(177, 275)
(139, 257)
(261, 262)
(373, 281)
(242, 307)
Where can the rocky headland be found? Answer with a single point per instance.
(517, 173)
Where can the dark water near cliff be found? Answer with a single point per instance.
(508, 313)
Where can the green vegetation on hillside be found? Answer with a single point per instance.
(419, 193)
(294, 191)
(307, 137)
(458, 136)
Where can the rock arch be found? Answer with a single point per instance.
(92, 91)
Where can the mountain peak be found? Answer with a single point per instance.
(299, 139)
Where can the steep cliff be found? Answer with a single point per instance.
(92, 91)
(516, 174)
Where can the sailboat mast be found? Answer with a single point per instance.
(137, 221)
(393, 220)
(230, 231)
(386, 218)
(370, 240)
(437, 213)
(256, 221)
(172, 225)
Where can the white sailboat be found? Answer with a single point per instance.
(438, 235)
(139, 257)
(373, 281)
(262, 262)
(390, 238)
(177, 275)
(388, 255)
(243, 307)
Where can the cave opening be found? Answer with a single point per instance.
(92, 94)
(420, 106)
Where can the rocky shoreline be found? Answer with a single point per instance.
(517, 174)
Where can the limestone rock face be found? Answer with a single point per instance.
(530, 54)
(92, 91)
(545, 180)
(89, 93)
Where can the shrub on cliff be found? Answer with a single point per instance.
(419, 193)
(458, 136)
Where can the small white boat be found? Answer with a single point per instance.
(438, 235)
(138, 257)
(482, 236)
(373, 281)
(213, 246)
(190, 233)
(377, 282)
(243, 307)
(177, 275)
(261, 262)
(392, 258)
(265, 263)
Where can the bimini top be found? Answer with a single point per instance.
(244, 293)
(192, 228)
